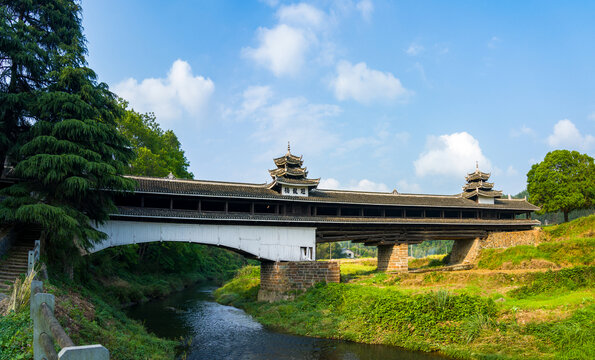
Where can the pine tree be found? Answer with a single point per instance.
(32, 33)
(72, 156)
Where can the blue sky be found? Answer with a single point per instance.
(375, 94)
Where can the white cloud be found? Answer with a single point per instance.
(296, 120)
(450, 155)
(330, 183)
(367, 185)
(405, 186)
(282, 49)
(255, 97)
(169, 97)
(361, 185)
(414, 49)
(365, 7)
(567, 135)
(523, 130)
(301, 15)
(366, 85)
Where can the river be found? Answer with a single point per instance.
(214, 331)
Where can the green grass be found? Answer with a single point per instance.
(575, 251)
(16, 336)
(581, 227)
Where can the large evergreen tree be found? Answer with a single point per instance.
(32, 34)
(72, 152)
(563, 181)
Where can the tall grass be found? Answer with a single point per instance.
(21, 294)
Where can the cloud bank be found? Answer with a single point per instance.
(180, 93)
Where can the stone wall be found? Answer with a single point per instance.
(467, 251)
(282, 280)
(393, 258)
(499, 240)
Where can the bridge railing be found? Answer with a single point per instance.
(47, 331)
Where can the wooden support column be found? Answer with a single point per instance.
(226, 207)
(199, 206)
(252, 208)
(142, 201)
(171, 203)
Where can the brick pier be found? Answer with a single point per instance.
(393, 258)
(282, 280)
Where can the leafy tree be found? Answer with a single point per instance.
(563, 181)
(71, 153)
(32, 34)
(157, 152)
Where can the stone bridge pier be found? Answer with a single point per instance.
(393, 258)
(283, 280)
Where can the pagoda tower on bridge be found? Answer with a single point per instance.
(290, 178)
(478, 189)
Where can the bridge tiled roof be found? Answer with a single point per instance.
(262, 191)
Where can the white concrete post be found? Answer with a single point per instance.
(39, 325)
(86, 352)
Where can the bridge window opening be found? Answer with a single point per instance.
(414, 213)
(451, 214)
(238, 207)
(394, 213)
(521, 216)
(372, 212)
(213, 206)
(127, 200)
(506, 216)
(349, 211)
(433, 213)
(489, 215)
(327, 211)
(185, 204)
(157, 202)
(264, 209)
(469, 215)
(306, 253)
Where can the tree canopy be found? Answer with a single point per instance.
(157, 152)
(70, 149)
(563, 181)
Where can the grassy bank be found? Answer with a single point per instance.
(491, 312)
(89, 307)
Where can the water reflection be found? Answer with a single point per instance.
(222, 332)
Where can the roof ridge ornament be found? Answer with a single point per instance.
(288, 148)
(170, 176)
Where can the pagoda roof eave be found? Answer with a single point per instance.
(477, 192)
(477, 175)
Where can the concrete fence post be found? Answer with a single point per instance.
(39, 325)
(86, 352)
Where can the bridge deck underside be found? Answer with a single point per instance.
(385, 235)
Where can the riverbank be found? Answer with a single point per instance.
(90, 306)
(523, 302)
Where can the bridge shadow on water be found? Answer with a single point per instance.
(215, 331)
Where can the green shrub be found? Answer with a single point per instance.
(16, 336)
(565, 279)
